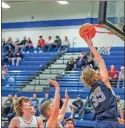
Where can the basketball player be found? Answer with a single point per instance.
(25, 118)
(52, 111)
(101, 94)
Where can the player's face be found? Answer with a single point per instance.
(50, 109)
(26, 106)
(69, 124)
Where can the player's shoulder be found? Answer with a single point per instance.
(14, 122)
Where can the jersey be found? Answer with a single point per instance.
(31, 124)
(46, 125)
(103, 101)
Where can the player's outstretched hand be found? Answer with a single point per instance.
(88, 40)
(54, 83)
(66, 94)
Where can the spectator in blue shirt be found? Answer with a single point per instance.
(35, 101)
(46, 98)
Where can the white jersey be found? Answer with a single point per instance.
(30, 124)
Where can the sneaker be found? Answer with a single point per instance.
(35, 51)
(27, 52)
(76, 116)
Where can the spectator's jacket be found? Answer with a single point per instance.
(58, 42)
(35, 102)
(78, 103)
(113, 73)
(80, 63)
(8, 103)
(41, 42)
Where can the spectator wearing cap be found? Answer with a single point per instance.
(49, 44)
(29, 46)
(65, 45)
(41, 44)
(121, 107)
(77, 108)
(69, 123)
(121, 77)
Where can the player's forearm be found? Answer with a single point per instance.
(56, 102)
(96, 54)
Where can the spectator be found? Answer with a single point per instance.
(41, 44)
(17, 57)
(92, 62)
(9, 45)
(4, 71)
(65, 44)
(121, 78)
(46, 98)
(3, 43)
(7, 106)
(8, 57)
(22, 43)
(58, 42)
(29, 46)
(50, 43)
(80, 63)
(121, 107)
(77, 108)
(35, 101)
(16, 44)
(69, 123)
(70, 64)
(113, 74)
(15, 98)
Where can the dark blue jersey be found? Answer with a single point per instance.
(103, 101)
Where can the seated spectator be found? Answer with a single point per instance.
(16, 44)
(8, 57)
(9, 45)
(3, 43)
(17, 57)
(88, 107)
(70, 64)
(7, 106)
(92, 62)
(46, 98)
(41, 44)
(65, 45)
(35, 101)
(58, 42)
(49, 44)
(121, 107)
(15, 98)
(4, 71)
(29, 46)
(22, 43)
(69, 123)
(121, 78)
(80, 63)
(113, 74)
(77, 108)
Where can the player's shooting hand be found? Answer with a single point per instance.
(54, 83)
(66, 94)
(88, 40)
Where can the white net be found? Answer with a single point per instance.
(105, 50)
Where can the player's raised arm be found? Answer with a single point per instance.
(56, 105)
(64, 107)
(102, 67)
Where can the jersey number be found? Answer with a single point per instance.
(97, 96)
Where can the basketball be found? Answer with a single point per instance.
(87, 30)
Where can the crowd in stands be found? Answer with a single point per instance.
(78, 108)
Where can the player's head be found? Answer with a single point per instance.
(89, 76)
(22, 105)
(69, 123)
(46, 109)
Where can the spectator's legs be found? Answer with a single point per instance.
(26, 48)
(31, 48)
(121, 114)
(81, 112)
(72, 112)
(119, 83)
(49, 47)
(13, 60)
(18, 59)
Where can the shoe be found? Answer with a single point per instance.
(81, 119)
(27, 52)
(35, 51)
(76, 116)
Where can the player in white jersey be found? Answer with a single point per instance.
(25, 118)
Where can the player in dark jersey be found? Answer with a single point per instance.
(101, 94)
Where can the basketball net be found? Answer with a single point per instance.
(105, 48)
